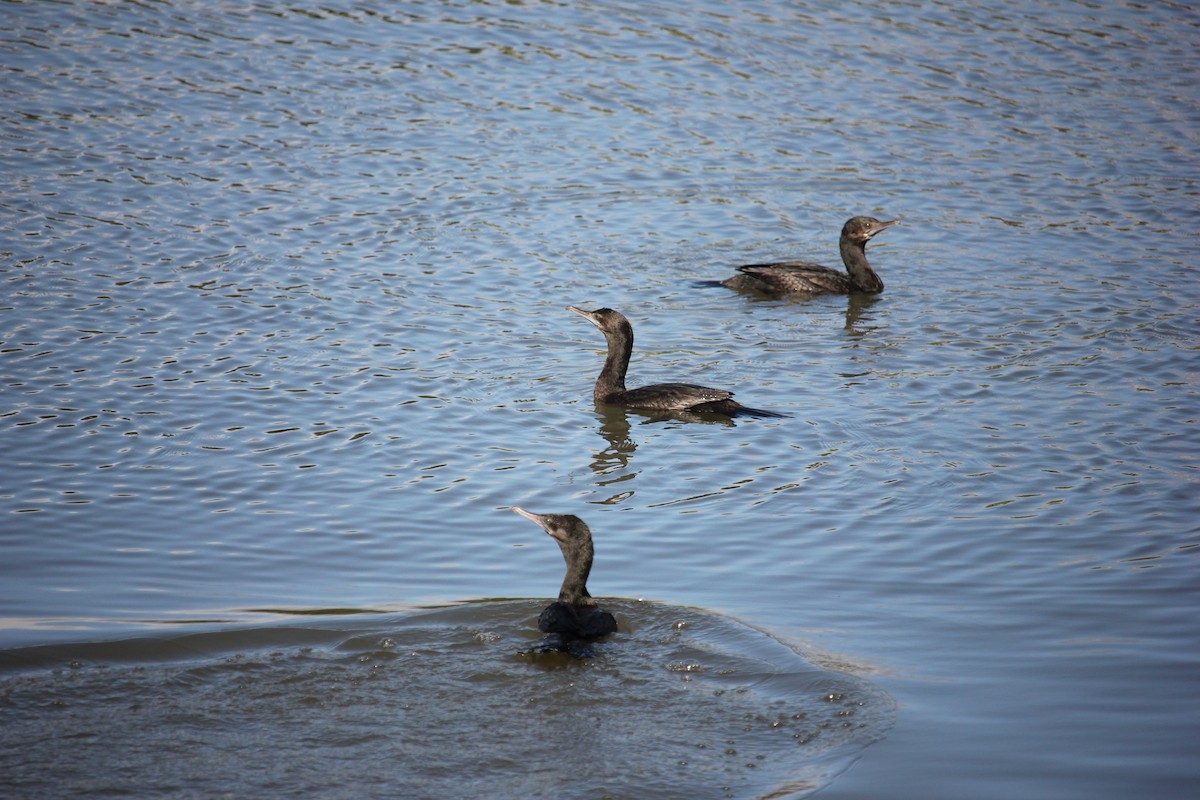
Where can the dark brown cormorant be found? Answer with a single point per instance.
(668, 397)
(575, 614)
(802, 277)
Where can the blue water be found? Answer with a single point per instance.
(283, 333)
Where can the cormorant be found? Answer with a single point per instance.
(802, 277)
(575, 614)
(669, 397)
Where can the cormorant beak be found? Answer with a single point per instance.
(540, 519)
(529, 515)
(883, 226)
(585, 314)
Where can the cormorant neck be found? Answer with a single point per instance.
(574, 585)
(854, 256)
(616, 364)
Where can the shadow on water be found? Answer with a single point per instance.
(681, 702)
(620, 445)
(617, 431)
(612, 463)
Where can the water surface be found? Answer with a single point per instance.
(284, 332)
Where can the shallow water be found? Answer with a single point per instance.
(284, 332)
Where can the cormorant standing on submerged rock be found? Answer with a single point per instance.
(670, 397)
(802, 277)
(575, 615)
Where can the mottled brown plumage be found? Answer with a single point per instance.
(667, 397)
(802, 277)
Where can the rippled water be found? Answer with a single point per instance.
(283, 332)
(679, 698)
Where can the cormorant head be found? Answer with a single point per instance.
(568, 530)
(605, 319)
(861, 229)
(575, 541)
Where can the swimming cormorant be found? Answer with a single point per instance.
(802, 277)
(669, 397)
(575, 614)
